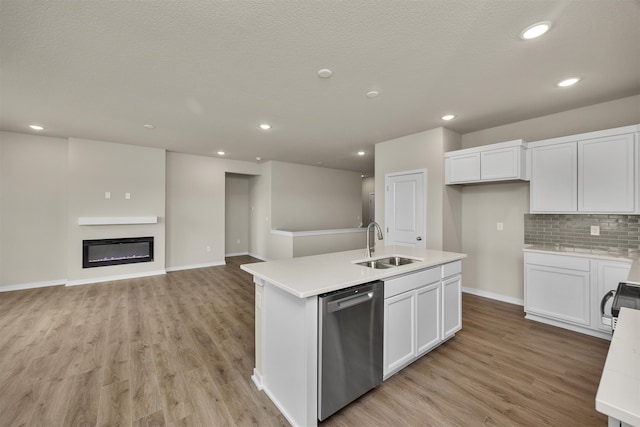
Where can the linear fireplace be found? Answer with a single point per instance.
(103, 252)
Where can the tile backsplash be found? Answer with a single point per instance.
(617, 232)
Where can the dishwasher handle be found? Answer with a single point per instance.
(349, 301)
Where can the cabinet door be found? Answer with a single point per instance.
(451, 306)
(503, 163)
(606, 174)
(463, 168)
(554, 176)
(610, 273)
(558, 293)
(429, 315)
(399, 331)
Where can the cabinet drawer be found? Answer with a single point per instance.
(560, 261)
(452, 268)
(411, 281)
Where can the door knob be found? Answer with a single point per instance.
(418, 238)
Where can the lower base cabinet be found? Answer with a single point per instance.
(421, 310)
(566, 290)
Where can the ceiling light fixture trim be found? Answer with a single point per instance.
(36, 127)
(448, 117)
(568, 82)
(265, 126)
(535, 30)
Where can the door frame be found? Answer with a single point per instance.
(387, 205)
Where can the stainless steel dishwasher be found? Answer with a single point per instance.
(350, 328)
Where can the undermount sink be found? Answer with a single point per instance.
(388, 262)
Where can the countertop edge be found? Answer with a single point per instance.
(608, 394)
(374, 276)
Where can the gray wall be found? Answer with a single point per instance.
(95, 167)
(419, 151)
(495, 262)
(33, 209)
(236, 204)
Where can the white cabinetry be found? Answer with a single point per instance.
(554, 178)
(587, 173)
(606, 180)
(399, 331)
(421, 310)
(558, 287)
(565, 290)
(495, 162)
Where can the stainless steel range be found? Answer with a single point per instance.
(626, 295)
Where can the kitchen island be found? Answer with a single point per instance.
(287, 315)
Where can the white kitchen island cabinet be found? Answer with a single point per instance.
(287, 316)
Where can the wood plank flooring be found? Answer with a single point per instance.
(178, 350)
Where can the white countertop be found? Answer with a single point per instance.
(619, 391)
(634, 273)
(313, 275)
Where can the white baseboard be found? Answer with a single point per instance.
(260, 257)
(192, 266)
(32, 285)
(237, 254)
(257, 379)
(113, 278)
(491, 295)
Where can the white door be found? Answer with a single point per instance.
(405, 208)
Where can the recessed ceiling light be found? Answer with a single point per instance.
(265, 126)
(148, 126)
(325, 73)
(221, 153)
(568, 82)
(36, 127)
(361, 153)
(448, 117)
(372, 94)
(535, 30)
(258, 158)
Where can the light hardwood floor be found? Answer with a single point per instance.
(178, 350)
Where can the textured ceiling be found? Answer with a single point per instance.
(206, 73)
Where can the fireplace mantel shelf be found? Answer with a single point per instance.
(116, 220)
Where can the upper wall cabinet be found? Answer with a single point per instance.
(495, 162)
(596, 172)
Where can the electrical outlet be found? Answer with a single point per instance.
(127, 196)
(107, 194)
(208, 248)
(595, 230)
(500, 226)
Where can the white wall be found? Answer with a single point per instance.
(33, 209)
(96, 167)
(412, 152)
(495, 261)
(196, 208)
(237, 224)
(368, 187)
(314, 198)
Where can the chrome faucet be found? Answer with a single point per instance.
(371, 247)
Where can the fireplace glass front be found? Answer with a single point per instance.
(103, 252)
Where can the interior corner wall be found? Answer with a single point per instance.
(236, 214)
(452, 202)
(495, 260)
(412, 152)
(368, 187)
(33, 210)
(97, 167)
